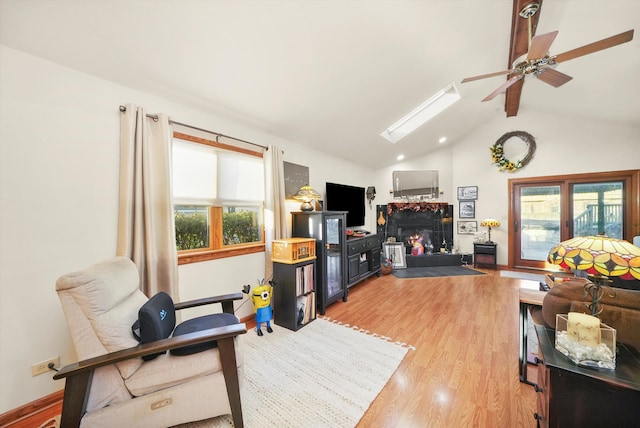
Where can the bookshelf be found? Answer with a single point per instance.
(294, 294)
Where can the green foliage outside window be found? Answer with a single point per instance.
(240, 227)
(192, 227)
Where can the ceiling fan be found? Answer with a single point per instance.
(538, 62)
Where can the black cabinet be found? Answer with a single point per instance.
(294, 297)
(363, 254)
(485, 254)
(329, 230)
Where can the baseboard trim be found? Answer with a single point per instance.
(30, 409)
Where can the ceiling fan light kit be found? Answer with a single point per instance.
(538, 62)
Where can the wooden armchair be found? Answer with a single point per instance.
(112, 386)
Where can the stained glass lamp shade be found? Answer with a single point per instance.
(601, 258)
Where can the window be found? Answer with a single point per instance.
(218, 193)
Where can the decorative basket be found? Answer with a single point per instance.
(386, 270)
(386, 266)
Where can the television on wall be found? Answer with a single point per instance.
(340, 197)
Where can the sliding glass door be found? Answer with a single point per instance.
(597, 208)
(548, 210)
(539, 220)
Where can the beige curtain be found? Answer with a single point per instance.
(275, 217)
(146, 231)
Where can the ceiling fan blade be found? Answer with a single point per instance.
(609, 42)
(484, 76)
(503, 87)
(540, 45)
(553, 77)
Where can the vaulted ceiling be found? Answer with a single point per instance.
(334, 74)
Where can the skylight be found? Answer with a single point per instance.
(422, 114)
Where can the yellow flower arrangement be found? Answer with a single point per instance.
(497, 151)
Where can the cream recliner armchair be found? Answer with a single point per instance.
(111, 386)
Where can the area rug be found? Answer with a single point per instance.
(434, 271)
(324, 375)
(522, 275)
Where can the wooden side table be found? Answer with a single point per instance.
(574, 396)
(528, 298)
(485, 254)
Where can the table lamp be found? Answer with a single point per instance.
(306, 194)
(601, 258)
(490, 222)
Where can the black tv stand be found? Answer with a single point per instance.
(363, 257)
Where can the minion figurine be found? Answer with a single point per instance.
(261, 298)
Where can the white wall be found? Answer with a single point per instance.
(59, 153)
(564, 146)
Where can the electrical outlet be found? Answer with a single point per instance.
(43, 367)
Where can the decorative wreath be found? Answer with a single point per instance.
(497, 151)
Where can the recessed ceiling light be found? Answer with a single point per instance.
(400, 157)
(442, 140)
(422, 114)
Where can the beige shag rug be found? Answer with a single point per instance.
(324, 375)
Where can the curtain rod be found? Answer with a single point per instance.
(217, 134)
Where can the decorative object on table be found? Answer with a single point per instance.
(479, 237)
(601, 258)
(395, 252)
(467, 209)
(467, 193)
(306, 194)
(261, 298)
(467, 227)
(585, 340)
(293, 250)
(417, 247)
(498, 155)
(489, 223)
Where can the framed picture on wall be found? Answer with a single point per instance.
(467, 227)
(468, 193)
(395, 252)
(467, 209)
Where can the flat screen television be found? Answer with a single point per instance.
(341, 197)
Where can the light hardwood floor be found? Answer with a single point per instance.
(464, 369)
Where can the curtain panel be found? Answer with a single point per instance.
(275, 218)
(146, 225)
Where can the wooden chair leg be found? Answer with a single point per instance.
(230, 371)
(76, 395)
